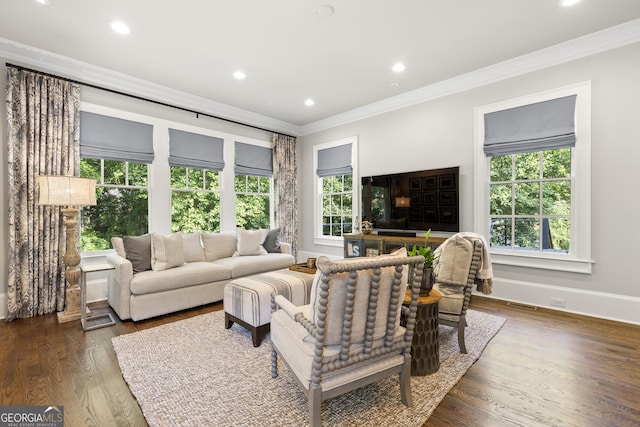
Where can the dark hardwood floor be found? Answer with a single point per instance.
(544, 368)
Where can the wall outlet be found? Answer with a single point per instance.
(558, 302)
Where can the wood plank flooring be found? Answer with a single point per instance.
(544, 368)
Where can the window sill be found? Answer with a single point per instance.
(543, 262)
(329, 241)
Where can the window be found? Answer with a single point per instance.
(115, 152)
(252, 184)
(526, 197)
(195, 163)
(195, 199)
(530, 201)
(337, 205)
(122, 202)
(336, 202)
(253, 201)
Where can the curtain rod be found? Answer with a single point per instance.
(141, 98)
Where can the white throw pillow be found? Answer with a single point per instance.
(118, 245)
(166, 251)
(218, 245)
(250, 243)
(193, 250)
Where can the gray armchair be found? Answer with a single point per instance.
(460, 262)
(350, 333)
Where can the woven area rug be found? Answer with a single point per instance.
(196, 373)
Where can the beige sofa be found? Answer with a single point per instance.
(157, 274)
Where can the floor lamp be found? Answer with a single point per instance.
(72, 193)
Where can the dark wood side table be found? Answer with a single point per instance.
(425, 351)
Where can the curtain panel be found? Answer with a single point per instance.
(43, 139)
(285, 182)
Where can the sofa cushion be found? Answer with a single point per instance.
(166, 251)
(252, 264)
(192, 247)
(190, 274)
(218, 245)
(272, 241)
(249, 243)
(138, 251)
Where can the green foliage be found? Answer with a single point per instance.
(337, 205)
(425, 251)
(527, 190)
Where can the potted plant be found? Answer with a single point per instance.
(427, 253)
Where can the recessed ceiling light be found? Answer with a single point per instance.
(394, 84)
(326, 10)
(399, 67)
(309, 102)
(569, 2)
(239, 75)
(120, 27)
(45, 2)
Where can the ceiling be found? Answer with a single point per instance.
(292, 50)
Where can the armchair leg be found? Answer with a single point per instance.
(274, 364)
(461, 325)
(405, 382)
(315, 406)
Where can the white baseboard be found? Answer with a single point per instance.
(603, 305)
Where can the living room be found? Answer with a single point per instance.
(436, 127)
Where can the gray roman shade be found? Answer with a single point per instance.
(110, 138)
(253, 160)
(193, 150)
(334, 161)
(544, 125)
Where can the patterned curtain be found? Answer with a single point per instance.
(285, 181)
(43, 139)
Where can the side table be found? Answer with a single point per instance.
(100, 320)
(425, 351)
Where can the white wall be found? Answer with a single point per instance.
(439, 134)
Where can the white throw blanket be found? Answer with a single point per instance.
(484, 275)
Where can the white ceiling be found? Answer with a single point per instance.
(291, 52)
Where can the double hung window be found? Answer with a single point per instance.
(533, 159)
(195, 161)
(253, 186)
(116, 153)
(336, 196)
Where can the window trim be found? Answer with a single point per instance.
(579, 258)
(318, 238)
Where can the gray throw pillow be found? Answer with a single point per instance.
(138, 251)
(272, 241)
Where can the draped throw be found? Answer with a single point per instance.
(285, 182)
(43, 139)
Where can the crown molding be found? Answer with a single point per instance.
(53, 63)
(591, 44)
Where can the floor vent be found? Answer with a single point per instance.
(521, 305)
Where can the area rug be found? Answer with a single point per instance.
(196, 373)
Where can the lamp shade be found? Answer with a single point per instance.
(60, 190)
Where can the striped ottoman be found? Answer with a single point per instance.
(247, 300)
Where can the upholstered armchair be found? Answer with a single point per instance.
(350, 333)
(459, 263)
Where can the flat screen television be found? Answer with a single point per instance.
(412, 201)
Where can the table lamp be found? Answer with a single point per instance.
(72, 193)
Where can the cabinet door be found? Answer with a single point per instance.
(372, 247)
(393, 245)
(353, 247)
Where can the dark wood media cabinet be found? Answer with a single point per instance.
(356, 245)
